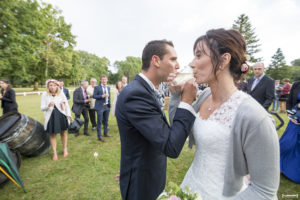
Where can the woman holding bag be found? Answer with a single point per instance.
(57, 115)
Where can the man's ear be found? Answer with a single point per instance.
(156, 61)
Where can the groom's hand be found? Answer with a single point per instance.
(174, 88)
(189, 91)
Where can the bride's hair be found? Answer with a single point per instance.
(220, 41)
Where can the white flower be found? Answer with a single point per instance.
(95, 154)
(199, 197)
(247, 57)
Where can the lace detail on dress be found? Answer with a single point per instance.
(226, 113)
(206, 174)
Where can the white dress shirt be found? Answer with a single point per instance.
(182, 104)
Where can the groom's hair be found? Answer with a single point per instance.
(157, 48)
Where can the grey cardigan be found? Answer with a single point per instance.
(253, 149)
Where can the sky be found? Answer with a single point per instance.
(119, 28)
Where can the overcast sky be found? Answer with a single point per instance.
(119, 28)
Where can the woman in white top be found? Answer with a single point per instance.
(57, 114)
(119, 87)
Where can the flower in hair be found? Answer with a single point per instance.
(244, 67)
(52, 81)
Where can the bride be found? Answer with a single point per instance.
(233, 134)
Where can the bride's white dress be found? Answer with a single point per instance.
(206, 174)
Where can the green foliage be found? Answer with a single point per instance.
(243, 25)
(36, 43)
(296, 62)
(295, 71)
(277, 69)
(86, 66)
(129, 67)
(114, 78)
(278, 60)
(174, 190)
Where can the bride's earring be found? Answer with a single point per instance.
(221, 68)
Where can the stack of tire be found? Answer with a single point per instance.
(24, 136)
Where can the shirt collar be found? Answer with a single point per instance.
(147, 81)
(261, 76)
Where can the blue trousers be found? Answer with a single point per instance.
(276, 103)
(102, 118)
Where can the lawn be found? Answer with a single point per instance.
(80, 175)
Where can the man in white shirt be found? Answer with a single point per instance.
(124, 81)
(92, 112)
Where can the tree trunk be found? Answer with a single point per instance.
(36, 85)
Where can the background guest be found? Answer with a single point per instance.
(284, 94)
(119, 87)
(65, 90)
(292, 97)
(243, 84)
(276, 99)
(7, 97)
(102, 107)
(57, 113)
(290, 141)
(81, 105)
(92, 112)
(124, 81)
(261, 87)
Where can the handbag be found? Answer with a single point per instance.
(75, 125)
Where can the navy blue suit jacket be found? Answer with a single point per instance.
(98, 92)
(264, 91)
(146, 140)
(66, 92)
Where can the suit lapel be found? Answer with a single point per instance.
(149, 89)
(80, 93)
(259, 83)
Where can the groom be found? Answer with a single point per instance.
(146, 137)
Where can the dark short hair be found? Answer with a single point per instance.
(7, 82)
(155, 47)
(220, 41)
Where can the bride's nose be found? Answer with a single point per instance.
(192, 65)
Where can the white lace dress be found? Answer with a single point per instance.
(206, 174)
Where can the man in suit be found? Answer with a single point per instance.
(261, 87)
(65, 90)
(102, 107)
(80, 106)
(146, 137)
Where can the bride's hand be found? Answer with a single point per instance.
(172, 87)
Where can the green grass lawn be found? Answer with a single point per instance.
(80, 175)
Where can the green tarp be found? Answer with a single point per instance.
(8, 167)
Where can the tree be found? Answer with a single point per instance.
(86, 66)
(35, 42)
(277, 68)
(295, 73)
(243, 25)
(130, 67)
(278, 60)
(296, 62)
